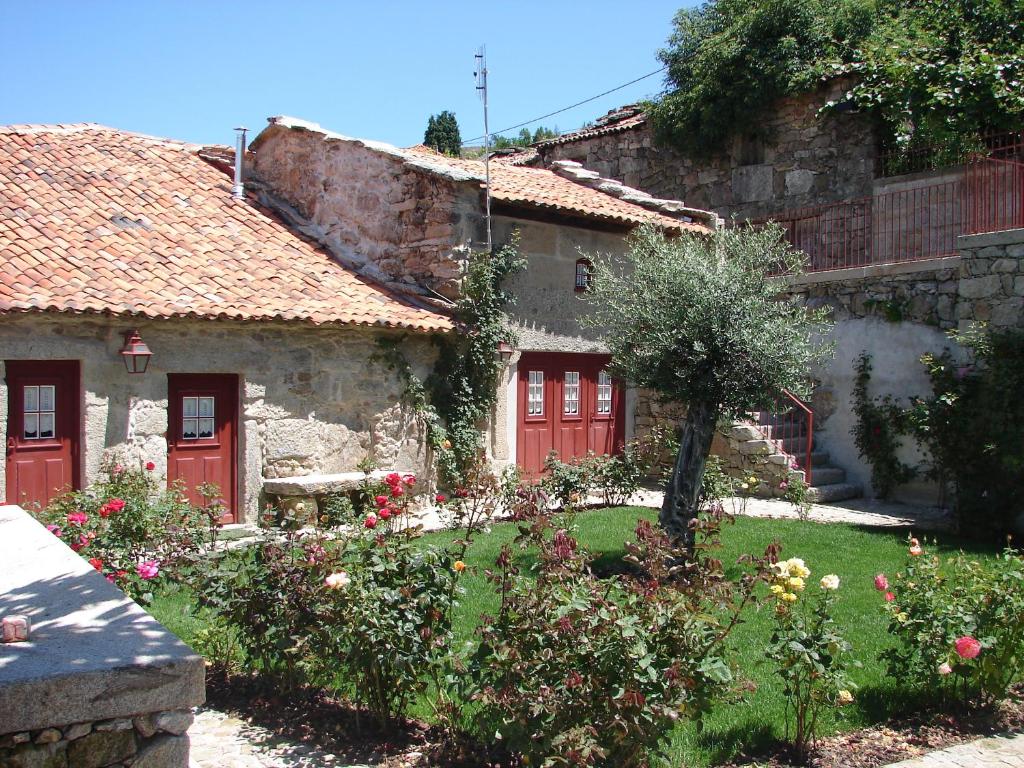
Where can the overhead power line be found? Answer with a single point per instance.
(571, 106)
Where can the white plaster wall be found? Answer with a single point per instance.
(895, 350)
(310, 399)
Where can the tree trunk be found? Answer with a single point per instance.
(682, 492)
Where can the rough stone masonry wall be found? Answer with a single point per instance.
(152, 740)
(991, 286)
(796, 159)
(375, 211)
(311, 400)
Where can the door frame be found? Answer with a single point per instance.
(177, 384)
(71, 371)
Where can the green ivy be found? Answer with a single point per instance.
(457, 398)
(880, 423)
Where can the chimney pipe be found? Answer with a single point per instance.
(238, 190)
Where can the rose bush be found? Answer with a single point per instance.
(810, 654)
(958, 623)
(580, 670)
(132, 530)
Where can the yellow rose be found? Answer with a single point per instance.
(796, 584)
(844, 697)
(789, 597)
(902, 617)
(830, 582)
(777, 589)
(752, 480)
(459, 566)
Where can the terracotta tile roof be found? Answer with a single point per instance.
(617, 120)
(98, 220)
(516, 156)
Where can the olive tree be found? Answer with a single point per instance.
(700, 320)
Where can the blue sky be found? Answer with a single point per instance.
(193, 70)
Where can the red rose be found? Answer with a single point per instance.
(397, 491)
(104, 511)
(393, 479)
(116, 505)
(382, 501)
(461, 493)
(150, 466)
(889, 597)
(384, 514)
(371, 521)
(96, 563)
(440, 498)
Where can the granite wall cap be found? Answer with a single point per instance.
(94, 654)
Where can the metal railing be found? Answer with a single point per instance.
(910, 224)
(929, 157)
(788, 424)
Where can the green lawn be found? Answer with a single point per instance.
(855, 554)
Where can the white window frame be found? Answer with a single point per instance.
(535, 394)
(571, 394)
(604, 393)
(38, 412)
(198, 415)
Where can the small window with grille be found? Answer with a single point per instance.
(604, 393)
(535, 394)
(584, 274)
(40, 412)
(571, 394)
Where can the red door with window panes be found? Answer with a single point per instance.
(202, 435)
(567, 403)
(43, 429)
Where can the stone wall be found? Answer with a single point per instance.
(793, 158)
(311, 401)
(374, 209)
(896, 313)
(750, 459)
(99, 682)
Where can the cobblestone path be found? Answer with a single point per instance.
(993, 752)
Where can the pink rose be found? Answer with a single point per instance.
(397, 491)
(53, 529)
(409, 480)
(393, 478)
(967, 647)
(440, 498)
(385, 513)
(889, 597)
(148, 569)
(371, 521)
(382, 501)
(881, 583)
(118, 469)
(78, 518)
(915, 551)
(945, 669)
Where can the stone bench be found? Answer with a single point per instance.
(302, 495)
(100, 682)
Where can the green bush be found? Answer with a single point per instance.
(579, 670)
(959, 624)
(808, 650)
(133, 530)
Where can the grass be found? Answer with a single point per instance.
(854, 553)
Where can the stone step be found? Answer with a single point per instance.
(823, 494)
(826, 475)
(797, 446)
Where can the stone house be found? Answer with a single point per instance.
(262, 313)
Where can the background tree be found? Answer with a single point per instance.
(442, 134)
(728, 60)
(525, 138)
(699, 320)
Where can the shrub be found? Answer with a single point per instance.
(879, 425)
(133, 531)
(958, 623)
(577, 670)
(366, 613)
(809, 653)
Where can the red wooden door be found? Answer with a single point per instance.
(568, 404)
(43, 429)
(202, 435)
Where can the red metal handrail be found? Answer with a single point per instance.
(995, 189)
(789, 427)
(1006, 145)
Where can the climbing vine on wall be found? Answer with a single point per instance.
(459, 395)
(880, 423)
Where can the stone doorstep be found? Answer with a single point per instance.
(313, 485)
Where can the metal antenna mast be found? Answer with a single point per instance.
(481, 87)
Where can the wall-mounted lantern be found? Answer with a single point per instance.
(505, 351)
(135, 353)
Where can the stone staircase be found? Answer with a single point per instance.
(788, 437)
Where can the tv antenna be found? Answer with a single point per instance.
(480, 60)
